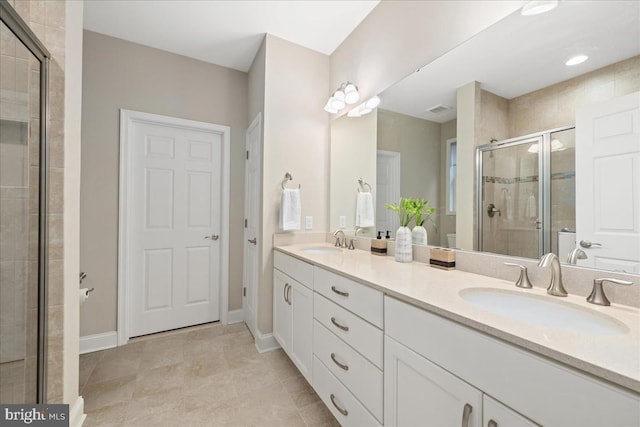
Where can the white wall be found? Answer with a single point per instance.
(353, 156)
(398, 37)
(72, 133)
(296, 140)
(119, 74)
(467, 101)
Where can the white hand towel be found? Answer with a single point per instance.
(531, 210)
(508, 204)
(290, 209)
(364, 210)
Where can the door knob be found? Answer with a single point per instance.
(253, 241)
(588, 243)
(212, 237)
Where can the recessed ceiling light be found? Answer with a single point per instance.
(579, 59)
(538, 6)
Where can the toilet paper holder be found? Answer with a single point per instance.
(83, 276)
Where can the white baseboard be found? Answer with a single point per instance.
(91, 343)
(235, 316)
(76, 413)
(266, 342)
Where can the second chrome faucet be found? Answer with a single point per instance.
(556, 288)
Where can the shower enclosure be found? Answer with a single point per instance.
(526, 193)
(23, 237)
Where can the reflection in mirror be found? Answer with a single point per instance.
(511, 81)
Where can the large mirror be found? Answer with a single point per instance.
(495, 134)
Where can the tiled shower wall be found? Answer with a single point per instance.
(47, 20)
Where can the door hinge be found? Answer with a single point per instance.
(244, 292)
(245, 223)
(247, 155)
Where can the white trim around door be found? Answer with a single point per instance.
(127, 119)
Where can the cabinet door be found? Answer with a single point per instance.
(495, 414)
(282, 310)
(417, 392)
(302, 328)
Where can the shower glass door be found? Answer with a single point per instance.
(509, 220)
(23, 72)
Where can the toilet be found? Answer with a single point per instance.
(451, 239)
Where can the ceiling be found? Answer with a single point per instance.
(521, 54)
(227, 33)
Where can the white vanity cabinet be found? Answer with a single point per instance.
(293, 310)
(528, 386)
(347, 348)
(419, 392)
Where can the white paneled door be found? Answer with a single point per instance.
(608, 174)
(252, 202)
(174, 186)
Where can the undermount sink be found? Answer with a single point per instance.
(321, 250)
(548, 312)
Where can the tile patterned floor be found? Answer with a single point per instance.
(210, 375)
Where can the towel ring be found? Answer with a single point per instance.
(362, 185)
(287, 177)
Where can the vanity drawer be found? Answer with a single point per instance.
(338, 398)
(294, 268)
(364, 301)
(362, 336)
(359, 375)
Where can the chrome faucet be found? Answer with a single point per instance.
(352, 243)
(597, 295)
(556, 287)
(575, 255)
(340, 243)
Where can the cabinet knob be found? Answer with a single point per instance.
(344, 294)
(340, 365)
(492, 423)
(342, 411)
(466, 414)
(338, 325)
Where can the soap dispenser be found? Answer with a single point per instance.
(379, 245)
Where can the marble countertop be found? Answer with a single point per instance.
(615, 358)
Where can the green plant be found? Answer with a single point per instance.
(423, 212)
(409, 209)
(405, 210)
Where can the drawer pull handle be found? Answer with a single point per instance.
(333, 357)
(284, 292)
(492, 423)
(344, 294)
(289, 295)
(342, 411)
(338, 325)
(466, 414)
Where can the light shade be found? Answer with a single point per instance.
(328, 108)
(372, 103)
(337, 100)
(351, 95)
(578, 59)
(537, 7)
(354, 112)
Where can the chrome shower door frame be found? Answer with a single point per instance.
(544, 182)
(23, 33)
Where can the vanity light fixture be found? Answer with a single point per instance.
(556, 145)
(346, 94)
(537, 7)
(364, 108)
(578, 59)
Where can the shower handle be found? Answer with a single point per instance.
(492, 210)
